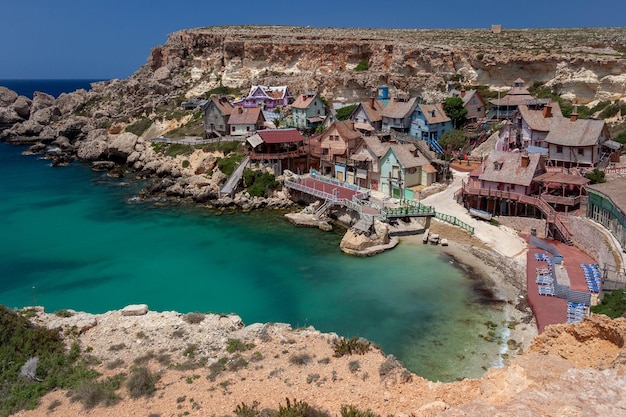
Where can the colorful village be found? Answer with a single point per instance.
(520, 157)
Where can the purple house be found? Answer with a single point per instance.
(265, 97)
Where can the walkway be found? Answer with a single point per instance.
(235, 177)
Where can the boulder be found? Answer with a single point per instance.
(135, 310)
(161, 74)
(102, 165)
(122, 146)
(9, 117)
(22, 106)
(72, 102)
(7, 97)
(63, 143)
(94, 148)
(41, 101)
(28, 128)
(46, 115)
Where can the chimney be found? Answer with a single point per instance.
(574, 115)
(372, 101)
(547, 111)
(525, 160)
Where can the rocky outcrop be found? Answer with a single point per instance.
(366, 244)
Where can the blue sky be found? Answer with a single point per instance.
(105, 39)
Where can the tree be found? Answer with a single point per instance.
(455, 111)
(452, 140)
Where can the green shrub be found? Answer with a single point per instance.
(186, 163)
(228, 164)
(351, 346)
(139, 126)
(244, 410)
(299, 409)
(93, 393)
(141, 382)
(63, 313)
(21, 341)
(236, 345)
(362, 66)
(343, 113)
(352, 411)
(613, 304)
(217, 368)
(596, 176)
(258, 183)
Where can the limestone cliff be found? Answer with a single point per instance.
(586, 64)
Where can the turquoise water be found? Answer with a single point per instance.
(73, 238)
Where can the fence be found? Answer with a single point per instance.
(454, 221)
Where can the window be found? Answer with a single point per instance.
(247, 128)
(559, 149)
(581, 151)
(232, 128)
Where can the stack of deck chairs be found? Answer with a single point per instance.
(545, 281)
(576, 312)
(593, 276)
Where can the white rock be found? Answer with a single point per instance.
(135, 310)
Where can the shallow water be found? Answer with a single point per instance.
(75, 239)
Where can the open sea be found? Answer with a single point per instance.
(75, 239)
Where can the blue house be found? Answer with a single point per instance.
(429, 122)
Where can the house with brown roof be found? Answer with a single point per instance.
(529, 127)
(403, 168)
(577, 143)
(216, 112)
(267, 97)
(505, 107)
(502, 175)
(472, 102)
(279, 148)
(367, 116)
(429, 122)
(308, 111)
(337, 144)
(396, 115)
(364, 163)
(245, 121)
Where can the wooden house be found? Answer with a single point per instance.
(505, 107)
(337, 144)
(528, 129)
(308, 111)
(429, 122)
(473, 103)
(216, 112)
(364, 163)
(367, 116)
(245, 121)
(280, 148)
(402, 168)
(266, 97)
(396, 115)
(574, 143)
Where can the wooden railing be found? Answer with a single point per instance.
(275, 155)
(551, 214)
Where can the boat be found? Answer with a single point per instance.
(485, 215)
(425, 238)
(434, 239)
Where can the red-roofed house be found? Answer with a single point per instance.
(308, 111)
(281, 148)
(266, 97)
(245, 121)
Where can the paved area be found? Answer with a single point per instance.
(552, 310)
(333, 189)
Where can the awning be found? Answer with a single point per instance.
(364, 126)
(255, 140)
(612, 145)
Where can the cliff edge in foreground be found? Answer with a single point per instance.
(573, 370)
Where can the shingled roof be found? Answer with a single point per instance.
(245, 116)
(399, 109)
(303, 101)
(222, 104)
(507, 168)
(580, 132)
(407, 155)
(373, 109)
(280, 135)
(614, 190)
(434, 113)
